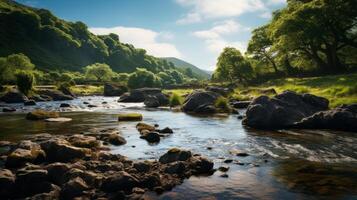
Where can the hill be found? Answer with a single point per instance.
(55, 44)
(180, 64)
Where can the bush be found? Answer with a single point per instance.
(175, 100)
(222, 104)
(25, 81)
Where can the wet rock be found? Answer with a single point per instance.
(59, 150)
(7, 181)
(200, 101)
(223, 168)
(84, 141)
(151, 102)
(14, 96)
(228, 161)
(67, 91)
(342, 118)
(241, 104)
(8, 109)
(175, 155)
(202, 165)
(85, 102)
(139, 95)
(152, 137)
(41, 114)
(130, 117)
(205, 109)
(166, 130)
(30, 103)
(73, 188)
(238, 153)
(111, 90)
(120, 181)
(220, 90)
(55, 95)
(56, 172)
(283, 110)
(116, 139)
(30, 182)
(40, 98)
(143, 126)
(65, 105)
(240, 117)
(224, 175)
(27, 151)
(92, 106)
(177, 167)
(142, 166)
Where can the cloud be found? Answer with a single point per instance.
(222, 28)
(190, 18)
(143, 38)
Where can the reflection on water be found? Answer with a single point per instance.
(270, 172)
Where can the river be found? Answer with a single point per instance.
(285, 164)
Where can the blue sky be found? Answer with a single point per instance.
(193, 30)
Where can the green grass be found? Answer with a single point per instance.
(222, 104)
(339, 89)
(180, 92)
(175, 100)
(86, 90)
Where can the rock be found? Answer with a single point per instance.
(143, 126)
(224, 175)
(55, 95)
(59, 119)
(151, 102)
(65, 105)
(14, 96)
(175, 155)
(85, 102)
(228, 160)
(139, 95)
(111, 90)
(130, 117)
(92, 106)
(56, 172)
(7, 181)
(219, 90)
(27, 151)
(238, 153)
(41, 114)
(40, 98)
(59, 150)
(152, 137)
(30, 103)
(342, 118)
(120, 181)
(67, 91)
(177, 167)
(30, 182)
(142, 167)
(8, 109)
(200, 101)
(223, 168)
(73, 188)
(166, 130)
(205, 109)
(241, 104)
(283, 110)
(84, 141)
(116, 139)
(202, 165)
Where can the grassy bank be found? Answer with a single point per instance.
(339, 89)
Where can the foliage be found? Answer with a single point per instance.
(232, 65)
(99, 71)
(25, 81)
(12, 64)
(222, 104)
(175, 100)
(143, 78)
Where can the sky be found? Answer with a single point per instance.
(193, 30)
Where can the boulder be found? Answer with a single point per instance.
(40, 98)
(34, 181)
(65, 105)
(14, 96)
(342, 118)
(139, 95)
(55, 95)
(30, 103)
(166, 130)
(56, 172)
(7, 180)
(241, 104)
(27, 151)
(84, 141)
(174, 155)
(120, 181)
(73, 188)
(41, 114)
(9, 109)
(283, 110)
(59, 150)
(142, 166)
(67, 91)
(143, 126)
(111, 90)
(115, 139)
(151, 102)
(177, 167)
(201, 165)
(200, 101)
(205, 109)
(152, 137)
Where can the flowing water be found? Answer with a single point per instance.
(286, 164)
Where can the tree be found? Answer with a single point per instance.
(19, 62)
(143, 78)
(101, 72)
(260, 46)
(318, 29)
(25, 81)
(232, 65)
(189, 72)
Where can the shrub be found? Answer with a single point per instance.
(222, 105)
(25, 81)
(175, 100)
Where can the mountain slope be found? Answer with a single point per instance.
(180, 64)
(55, 44)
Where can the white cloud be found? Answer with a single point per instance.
(216, 9)
(266, 15)
(143, 38)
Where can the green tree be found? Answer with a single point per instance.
(99, 71)
(231, 66)
(143, 78)
(19, 62)
(25, 81)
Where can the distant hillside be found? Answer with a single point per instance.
(199, 73)
(52, 43)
